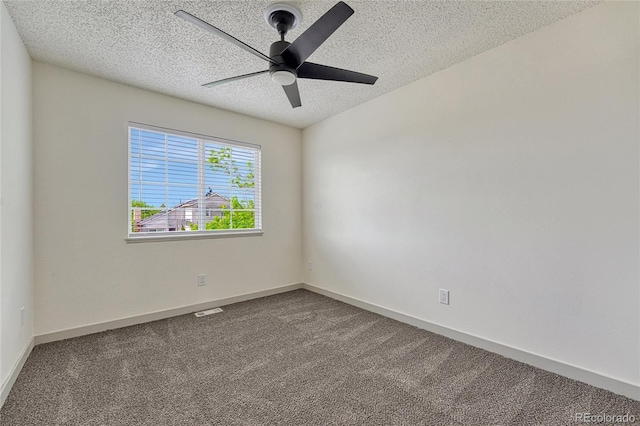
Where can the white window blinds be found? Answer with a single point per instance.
(181, 183)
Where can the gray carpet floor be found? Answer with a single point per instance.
(296, 358)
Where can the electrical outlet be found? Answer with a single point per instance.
(310, 265)
(444, 296)
(21, 316)
(202, 279)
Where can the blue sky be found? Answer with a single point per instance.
(165, 171)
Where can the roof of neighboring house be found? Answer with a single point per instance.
(160, 218)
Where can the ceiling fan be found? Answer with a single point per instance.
(287, 61)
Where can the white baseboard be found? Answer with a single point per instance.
(620, 387)
(158, 315)
(15, 371)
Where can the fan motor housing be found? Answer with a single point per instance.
(284, 61)
(276, 49)
(274, 53)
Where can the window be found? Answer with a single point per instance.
(184, 185)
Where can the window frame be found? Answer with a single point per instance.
(189, 235)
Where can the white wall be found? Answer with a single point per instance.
(16, 219)
(510, 179)
(85, 272)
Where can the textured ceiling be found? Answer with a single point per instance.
(143, 44)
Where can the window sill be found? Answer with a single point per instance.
(192, 235)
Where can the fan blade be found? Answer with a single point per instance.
(293, 94)
(302, 47)
(323, 72)
(204, 25)
(230, 79)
